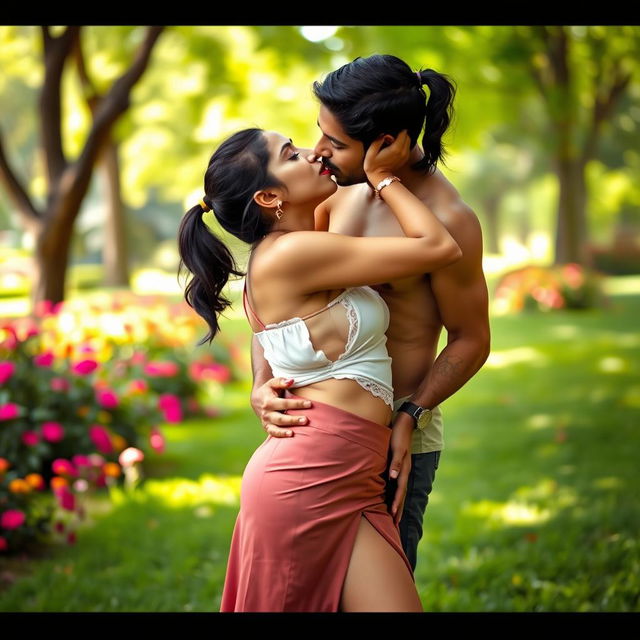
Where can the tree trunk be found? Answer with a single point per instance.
(51, 257)
(571, 229)
(114, 252)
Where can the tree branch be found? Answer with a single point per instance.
(56, 51)
(110, 108)
(16, 192)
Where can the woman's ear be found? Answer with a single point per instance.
(267, 198)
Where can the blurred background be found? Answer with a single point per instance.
(114, 423)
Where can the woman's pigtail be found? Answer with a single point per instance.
(209, 260)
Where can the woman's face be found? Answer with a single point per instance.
(306, 182)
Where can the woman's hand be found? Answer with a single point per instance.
(381, 163)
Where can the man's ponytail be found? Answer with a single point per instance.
(438, 115)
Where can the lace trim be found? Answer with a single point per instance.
(376, 389)
(353, 326)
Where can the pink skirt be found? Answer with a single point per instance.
(301, 501)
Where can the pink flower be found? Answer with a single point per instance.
(10, 340)
(173, 414)
(168, 400)
(96, 459)
(209, 371)
(12, 519)
(63, 467)
(43, 308)
(44, 359)
(100, 437)
(138, 386)
(9, 411)
(7, 369)
(130, 456)
(139, 357)
(161, 368)
(156, 439)
(66, 499)
(52, 431)
(107, 399)
(59, 384)
(84, 367)
(30, 438)
(4, 545)
(81, 461)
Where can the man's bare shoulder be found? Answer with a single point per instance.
(447, 204)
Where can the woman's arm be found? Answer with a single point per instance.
(324, 260)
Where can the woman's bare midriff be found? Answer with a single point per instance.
(348, 395)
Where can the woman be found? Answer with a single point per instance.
(313, 532)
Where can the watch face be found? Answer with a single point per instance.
(424, 419)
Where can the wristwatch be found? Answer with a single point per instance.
(421, 415)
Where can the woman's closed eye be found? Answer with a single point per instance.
(294, 156)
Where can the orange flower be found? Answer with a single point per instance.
(118, 442)
(111, 469)
(35, 480)
(57, 482)
(83, 411)
(4, 465)
(18, 485)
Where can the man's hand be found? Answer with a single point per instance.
(269, 407)
(400, 466)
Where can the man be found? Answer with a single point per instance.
(361, 100)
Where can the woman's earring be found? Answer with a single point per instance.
(279, 210)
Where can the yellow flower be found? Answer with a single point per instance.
(104, 416)
(18, 485)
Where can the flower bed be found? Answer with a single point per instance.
(83, 392)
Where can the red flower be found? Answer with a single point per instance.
(4, 545)
(30, 438)
(9, 411)
(107, 399)
(71, 537)
(12, 519)
(66, 499)
(63, 467)
(59, 384)
(44, 359)
(100, 437)
(4, 465)
(7, 369)
(52, 431)
(84, 367)
(59, 526)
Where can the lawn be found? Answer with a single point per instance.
(532, 510)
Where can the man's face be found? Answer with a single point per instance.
(340, 153)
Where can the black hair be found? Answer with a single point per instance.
(380, 94)
(236, 170)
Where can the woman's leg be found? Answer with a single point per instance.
(377, 578)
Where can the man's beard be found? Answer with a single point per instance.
(343, 180)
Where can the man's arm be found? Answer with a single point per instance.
(265, 396)
(461, 295)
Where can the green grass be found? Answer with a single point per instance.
(533, 508)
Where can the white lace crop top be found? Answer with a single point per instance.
(290, 353)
